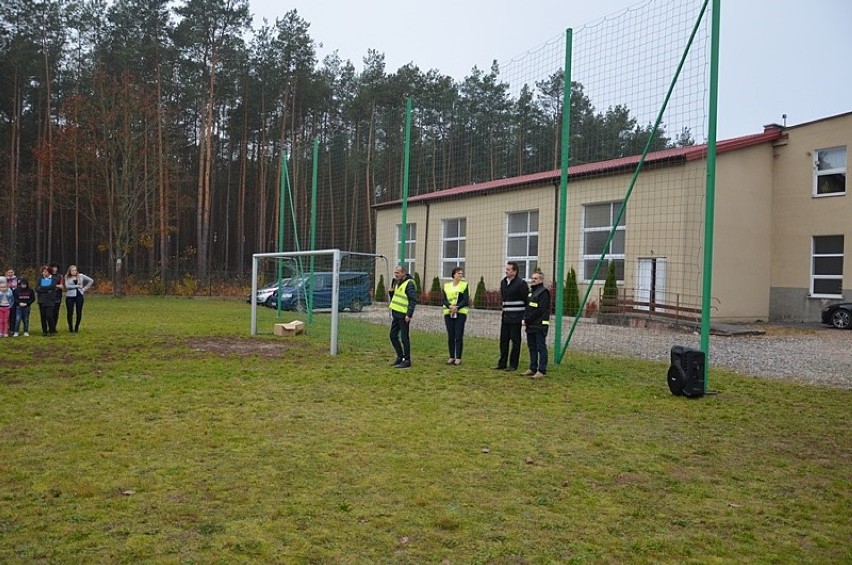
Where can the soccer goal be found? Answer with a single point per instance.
(308, 281)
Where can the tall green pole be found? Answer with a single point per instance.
(282, 183)
(313, 246)
(563, 196)
(404, 229)
(710, 208)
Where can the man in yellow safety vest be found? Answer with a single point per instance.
(403, 299)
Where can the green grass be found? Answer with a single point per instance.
(164, 433)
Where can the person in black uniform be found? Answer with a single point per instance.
(403, 299)
(514, 291)
(537, 322)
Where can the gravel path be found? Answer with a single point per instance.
(805, 352)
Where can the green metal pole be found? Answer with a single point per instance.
(710, 208)
(289, 199)
(638, 168)
(313, 246)
(282, 177)
(404, 229)
(563, 197)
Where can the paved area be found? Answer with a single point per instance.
(808, 353)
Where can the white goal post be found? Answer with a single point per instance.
(336, 255)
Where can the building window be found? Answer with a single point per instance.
(453, 246)
(827, 266)
(598, 220)
(410, 247)
(522, 241)
(830, 171)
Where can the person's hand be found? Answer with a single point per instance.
(407, 319)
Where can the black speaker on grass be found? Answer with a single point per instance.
(686, 373)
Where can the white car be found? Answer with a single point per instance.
(265, 293)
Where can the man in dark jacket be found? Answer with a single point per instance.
(514, 291)
(403, 299)
(537, 322)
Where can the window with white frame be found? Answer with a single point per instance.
(827, 266)
(410, 247)
(598, 220)
(522, 241)
(453, 245)
(830, 171)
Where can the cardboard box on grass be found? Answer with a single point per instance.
(295, 327)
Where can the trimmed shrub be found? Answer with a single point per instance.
(479, 295)
(571, 293)
(609, 300)
(381, 293)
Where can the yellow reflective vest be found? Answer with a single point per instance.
(452, 293)
(399, 301)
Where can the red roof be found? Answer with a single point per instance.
(672, 155)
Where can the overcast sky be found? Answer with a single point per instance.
(776, 56)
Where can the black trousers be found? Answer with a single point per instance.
(48, 321)
(399, 337)
(72, 304)
(455, 334)
(510, 332)
(537, 343)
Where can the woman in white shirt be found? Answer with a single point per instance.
(76, 285)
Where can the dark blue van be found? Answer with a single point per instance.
(355, 292)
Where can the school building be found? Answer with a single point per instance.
(782, 225)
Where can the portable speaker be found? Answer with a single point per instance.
(686, 373)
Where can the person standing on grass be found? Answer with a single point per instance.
(403, 299)
(537, 322)
(456, 300)
(7, 300)
(76, 285)
(514, 291)
(59, 286)
(46, 294)
(12, 281)
(24, 298)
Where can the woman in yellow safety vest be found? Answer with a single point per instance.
(456, 301)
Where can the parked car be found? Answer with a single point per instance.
(265, 293)
(355, 292)
(838, 315)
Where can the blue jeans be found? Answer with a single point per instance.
(22, 315)
(537, 342)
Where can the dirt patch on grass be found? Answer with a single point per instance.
(239, 347)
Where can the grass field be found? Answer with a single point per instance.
(163, 433)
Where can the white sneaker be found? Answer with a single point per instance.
(26, 334)
(15, 334)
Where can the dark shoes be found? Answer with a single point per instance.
(404, 364)
(397, 362)
(499, 368)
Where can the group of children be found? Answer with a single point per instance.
(17, 297)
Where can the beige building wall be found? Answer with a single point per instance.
(742, 246)
(797, 216)
(765, 217)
